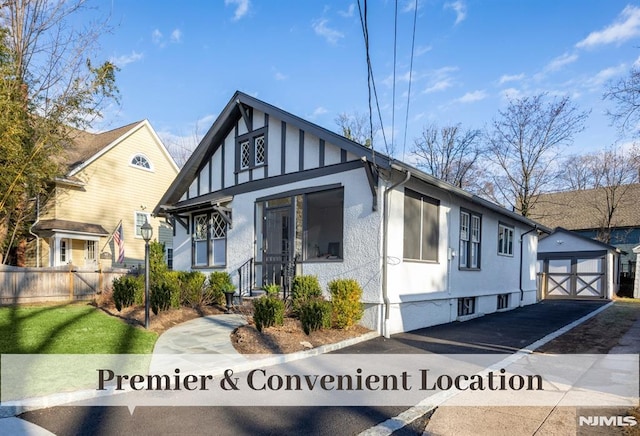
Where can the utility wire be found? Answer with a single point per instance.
(370, 79)
(393, 98)
(413, 42)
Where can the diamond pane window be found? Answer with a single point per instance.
(260, 150)
(245, 154)
(200, 231)
(218, 227)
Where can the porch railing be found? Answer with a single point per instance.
(246, 278)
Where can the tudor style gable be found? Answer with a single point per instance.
(252, 144)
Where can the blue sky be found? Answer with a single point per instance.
(181, 62)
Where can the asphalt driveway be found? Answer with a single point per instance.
(504, 332)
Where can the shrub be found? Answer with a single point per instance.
(345, 301)
(192, 287)
(219, 283)
(165, 292)
(272, 289)
(315, 314)
(267, 312)
(126, 290)
(304, 288)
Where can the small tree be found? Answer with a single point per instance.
(449, 154)
(524, 145)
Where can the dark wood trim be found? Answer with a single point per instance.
(246, 117)
(321, 152)
(301, 151)
(301, 191)
(271, 182)
(283, 147)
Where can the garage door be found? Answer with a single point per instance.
(575, 277)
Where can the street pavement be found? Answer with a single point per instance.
(505, 332)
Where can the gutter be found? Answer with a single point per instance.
(385, 249)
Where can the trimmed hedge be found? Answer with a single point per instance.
(267, 312)
(345, 301)
(315, 315)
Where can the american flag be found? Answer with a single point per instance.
(118, 238)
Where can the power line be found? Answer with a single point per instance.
(370, 78)
(413, 41)
(393, 98)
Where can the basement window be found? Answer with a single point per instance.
(466, 306)
(503, 301)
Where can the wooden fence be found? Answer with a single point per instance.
(35, 285)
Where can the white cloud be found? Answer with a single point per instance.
(471, 97)
(561, 61)
(511, 93)
(124, 60)
(439, 86)
(242, 8)
(422, 50)
(605, 75)
(440, 79)
(321, 29)
(317, 112)
(156, 37)
(349, 12)
(410, 5)
(280, 76)
(510, 78)
(460, 8)
(626, 26)
(176, 35)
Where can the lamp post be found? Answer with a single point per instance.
(146, 231)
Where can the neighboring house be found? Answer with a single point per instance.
(112, 182)
(584, 212)
(576, 266)
(265, 188)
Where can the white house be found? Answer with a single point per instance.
(577, 267)
(265, 187)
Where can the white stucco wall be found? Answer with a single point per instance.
(423, 294)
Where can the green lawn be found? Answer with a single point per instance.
(69, 329)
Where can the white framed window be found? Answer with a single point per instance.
(470, 239)
(63, 251)
(141, 161)
(139, 220)
(90, 251)
(505, 240)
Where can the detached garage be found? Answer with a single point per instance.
(574, 266)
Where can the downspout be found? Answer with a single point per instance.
(534, 229)
(385, 249)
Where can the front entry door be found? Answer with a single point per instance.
(277, 243)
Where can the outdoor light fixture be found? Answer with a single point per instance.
(146, 231)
